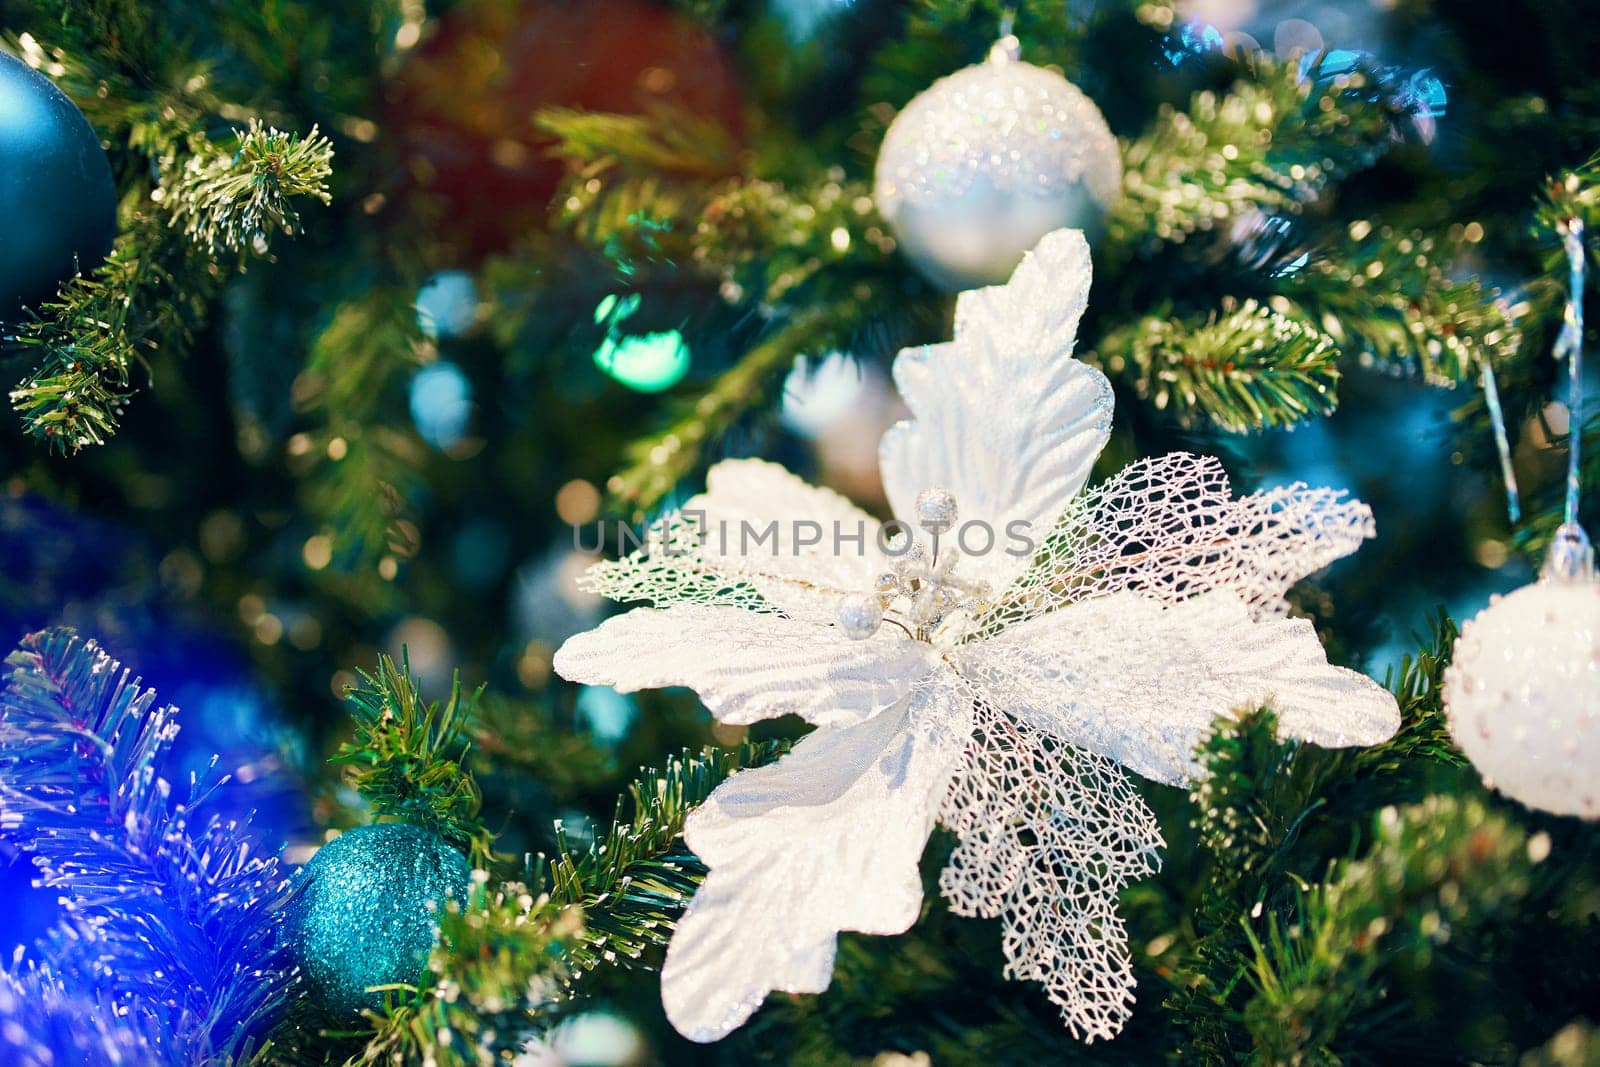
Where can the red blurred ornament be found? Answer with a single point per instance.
(462, 107)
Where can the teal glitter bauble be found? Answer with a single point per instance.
(365, 911)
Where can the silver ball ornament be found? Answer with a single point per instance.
(1523, 695)
(860, 616)
(936, 510)
(985, 162)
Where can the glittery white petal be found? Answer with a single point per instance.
(1171, 528)
(1141, 682)
(1004, 417)
(748, 665)
(1049, 834)
(827, 839)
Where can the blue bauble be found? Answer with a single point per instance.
(365, 911)
(58, 204)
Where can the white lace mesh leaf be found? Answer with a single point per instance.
(824, 840)
(669, 571)
(1170, 528)
(1048, 836)
(1140, 681)
(747, 666)
(758, 537)
(1004, 417)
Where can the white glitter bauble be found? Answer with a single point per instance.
(1523, 695)
(985, 162)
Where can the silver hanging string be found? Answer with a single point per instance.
(1571, 556)
(1502, 444)
(1569, 346)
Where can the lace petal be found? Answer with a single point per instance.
(758, 538)
(1171, 529)
(1049, 834)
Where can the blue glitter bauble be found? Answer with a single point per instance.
(365, 912)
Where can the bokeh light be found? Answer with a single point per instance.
(447, 304)
(607, 713)
(647, 362)
(426, 645)
(441, 404)
(816, 395)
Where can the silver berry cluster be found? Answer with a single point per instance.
(919, 589)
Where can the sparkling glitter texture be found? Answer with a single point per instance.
(1523, 695)
(364, 912)
(987, 161)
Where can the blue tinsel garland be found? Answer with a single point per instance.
(168, 951)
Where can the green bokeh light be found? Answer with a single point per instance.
(647, 362)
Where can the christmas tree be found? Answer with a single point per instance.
(462, 612)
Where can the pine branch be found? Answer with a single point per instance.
(1249, 807)
(1418, 687)
(777, 244)
(1572, 194)
(499, 958)
(171, 918)
(511, 952)
(1434, 871)
(408, 757)
(1271, 144)
(761, 240)
(669, 140)
(632, 883)
(659, 462)
(1248, 368)
(229, 198)
(155, 288)
(1258, 800)
(359, 469)
(1389, 298)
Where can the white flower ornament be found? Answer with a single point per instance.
(992, 692)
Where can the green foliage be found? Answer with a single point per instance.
(1271, 143)
(671, 141)
(1572, 194)
(156, 287)
(1434, 870)
(511, 953)
(632, 882)
(1245, 369)
(1391, 298)
(499, 959)
(357, 468)
(1259, 801)
(228, 198)
(1418, 686)
(657, 463)
(408, 757)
